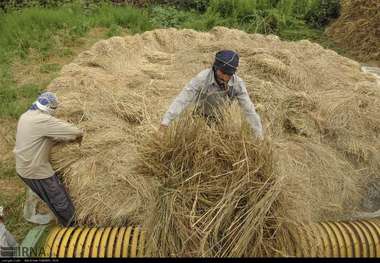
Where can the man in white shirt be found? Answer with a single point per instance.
(211, 88)
(37, 132)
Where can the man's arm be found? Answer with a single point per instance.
(186, 96)
(60, 130)
(249, 109)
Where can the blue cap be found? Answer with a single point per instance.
(227, 61)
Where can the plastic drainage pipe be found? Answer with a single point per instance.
(325, 239)
(95, 242)
(352, 239)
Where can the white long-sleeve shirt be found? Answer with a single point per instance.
(36, 133)
(204, 91)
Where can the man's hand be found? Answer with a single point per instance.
(79, 140)
(163, 128)
(259, 136)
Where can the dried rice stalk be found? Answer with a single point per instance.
(213, 191)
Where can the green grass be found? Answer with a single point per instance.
(36, 27)
(50, 67)
(14, 220)
(13, 206)
(14, 100)
(49, 31)
(7, 172)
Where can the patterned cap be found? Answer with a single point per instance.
(46, 102)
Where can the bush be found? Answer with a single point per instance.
(12, 4)
(322, 12)
(167, 16)
(235, 8)
(259, 16)
(196, 5)
(114, 30)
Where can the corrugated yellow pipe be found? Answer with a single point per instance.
(325, 239)
(337, 239)
(95, 242)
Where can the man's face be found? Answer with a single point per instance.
(222, 78)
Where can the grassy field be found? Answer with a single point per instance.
(35, 43)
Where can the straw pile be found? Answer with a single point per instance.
(204, 190)
(358, 28)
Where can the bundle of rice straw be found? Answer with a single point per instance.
(210, 201)
(212, 190)
(358, 28)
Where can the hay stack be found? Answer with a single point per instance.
(358, 28)
(214, 191)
